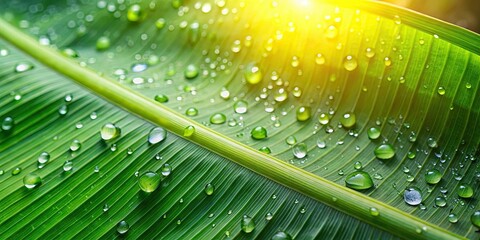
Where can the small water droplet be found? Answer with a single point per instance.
(166, 169)
(253, 74)
(433, 176)
(321, 144)
(331, 32)
(259, 133)
(240, 106)
(440, 201)
(43, 158)
(369, 52)
(387, 61)
(67, 166)
(191, 112)
(280, 235)
(110, 131)
(8, 124)
(103, 43)
(191, 71)
(373, 133)
(358, 165)
(304, 113)
(300, 150)
(291, 140)
(465, 190)
(452, 218)
(374, 212)
(106, 207)
(323, 118)
(23, 67)
(441, 91)
(32, 180)
(188, 131)
(63, 110)
(348, 120)
(135, 13)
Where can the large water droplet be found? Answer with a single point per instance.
(149, 181)
(240, 107)
(475, 219)
(252, 73)
(452, 218)
(8, 124)
(191, 71)
(300, 150)
(465, 190)
(218, 118)
(43, 157)
(135, 13)
(209, 189)
(123, 227)
(188, 131)
(23, 67)
(109, 131)
(373, 133)
(384, 151)
(247, 224)
(348, 120)
(281, 236)
(412, 196)
(350, 63)
(359, 180)
(433, 176)
(374, 211)
(259, 133)
(323, 118)
(440, 201)
(32, 180)
(304, 113)
(157, 135)
(161, 98)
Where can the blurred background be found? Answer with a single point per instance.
(465, 13)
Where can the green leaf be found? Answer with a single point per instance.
(354, 64)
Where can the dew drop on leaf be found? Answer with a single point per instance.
(149, 181)
(218, 118)
(161, 98)
(157, 135)
(412, 196)
(304, 113)
(300, 150)
(8, 124)
(209, 189)
(23, 67)
(110, 131)
(374, 212)
(123, 227)
(188, 131)
(475, 218)
(452, 218)
(465, 190)
(359, 180)
(191, 71)
(280, 235)
(384, 151)
(440, 201)
(259, 133)
(75, 145)
(373, 133)
(350, 63)
(135, 13)
(369, 52)
(247, 224)
(348, 120)
(166, 169)
(191, 112)
(433, 176)
(240, 106)
(67, 166)
(32, 180)
(43, 158)
(103, 43)
(252, 73)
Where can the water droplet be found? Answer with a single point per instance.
(440, 202)
(350, 63)
(106, 207)
(465, 191)
(331, 32)
(161, 98)
(348, 120)
(191, 112)
(209, 189)
(280, 235)
(374, 212)
(247, 224)
(253, 74)
(8, 124)
(432, 143)
(300, 150)
(103, 43)
(67, 166)
(359, 180)
(384, 151)
(295, 61)
(157, 135)
(218, 118)
(291, 140)
(433, 176)
(259, 133)
(297, 92)
(369, 52)
(160, 23)
(441, 91)
(268, 216)
(75, 145)
(188, 131)
(468, 85)
(358, 165)
(373, 133)
(319, 59)
(166, 169)
(32, 180)
(412, 196)
(475, 219)
(378, 176)
(412, 137)
(321, 143)
(139, 67)
(135, 13)
(397, 19)
(23, 67)
(265, 150)
(323, 118)
(149, 181)
(452, 218)
(93, 115)
(304, 113)
(43, 158)
(191, 71)
(387, 61)
(123, 227)
(63, 110)
(110, 131)
(280, 95)
(240, 106)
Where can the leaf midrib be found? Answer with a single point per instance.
(341, 198)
